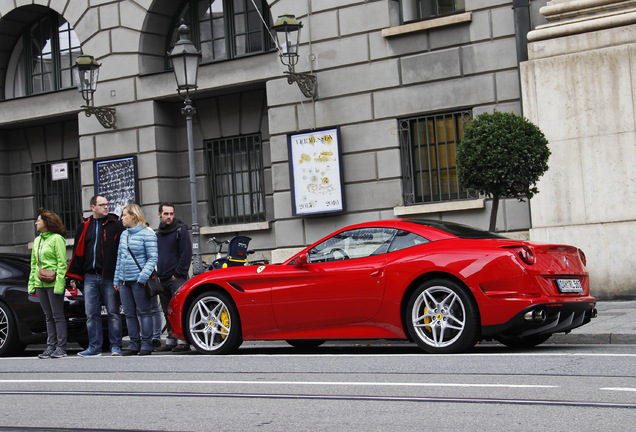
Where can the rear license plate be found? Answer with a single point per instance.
(569, 285)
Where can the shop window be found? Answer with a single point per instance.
(428, 146)
(235, 180)
(58, 188)
(42, 58)
(226, 29)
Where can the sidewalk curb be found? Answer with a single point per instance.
(600, 338)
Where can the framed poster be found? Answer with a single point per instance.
(316, 172)
(116, 179)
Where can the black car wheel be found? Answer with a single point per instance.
(305, 343)
(524, 342)
(442, 317)
(9, 340)
(213, 325)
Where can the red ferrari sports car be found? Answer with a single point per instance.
(442, 285)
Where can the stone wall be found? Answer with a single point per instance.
(578, 87)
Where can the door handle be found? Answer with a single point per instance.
(377, 273)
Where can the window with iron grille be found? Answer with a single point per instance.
(60, 196)
(235, 180)
(226, 29)
(415, 10)
(429, 167)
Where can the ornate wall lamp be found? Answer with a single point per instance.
(185, 60)
(85, 72)
(287, 29)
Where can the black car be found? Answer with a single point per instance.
(21, 318)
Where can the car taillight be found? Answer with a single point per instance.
(583, 257)
(525, 253)
(70, 292)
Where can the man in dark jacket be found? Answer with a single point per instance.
(93, 262)
(175, 257)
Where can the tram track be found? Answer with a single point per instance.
(326, 397)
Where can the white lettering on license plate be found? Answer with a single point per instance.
(569, 285)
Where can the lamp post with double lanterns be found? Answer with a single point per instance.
(85, 73)
(287, 29)
(185, 61)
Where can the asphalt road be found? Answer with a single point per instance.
(338, 387)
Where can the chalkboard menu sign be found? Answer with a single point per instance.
(316, 172)
(116, 180)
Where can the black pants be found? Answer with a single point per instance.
(170, 288)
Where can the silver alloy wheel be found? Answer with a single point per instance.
(210, 323)
(4, 328)
(438, 316)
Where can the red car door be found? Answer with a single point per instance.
(328, 293)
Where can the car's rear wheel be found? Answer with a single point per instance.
(442, 317)
(213, 324)
(524, 342)
(10, 343)
(305, 343)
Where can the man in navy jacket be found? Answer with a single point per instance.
(175, 257)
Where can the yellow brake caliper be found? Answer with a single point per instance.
(427, 320)
(225, 320)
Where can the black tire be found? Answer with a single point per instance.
(442, 317)
(213, 325)
(523, 342)
(10, 343)
(305, 344)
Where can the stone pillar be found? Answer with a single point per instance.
(578, 87)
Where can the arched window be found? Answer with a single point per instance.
(42, 58)
(226, 29)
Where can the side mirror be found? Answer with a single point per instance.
(301, 261)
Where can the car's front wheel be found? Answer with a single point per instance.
(442, 317)
(10, 343)
(213, 324)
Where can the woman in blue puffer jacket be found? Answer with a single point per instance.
(140, 244)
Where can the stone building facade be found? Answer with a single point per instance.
(397, 82)
(578, 86)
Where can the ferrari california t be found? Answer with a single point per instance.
(443, 285)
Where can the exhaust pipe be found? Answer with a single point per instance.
(535, 316)
(594, 313)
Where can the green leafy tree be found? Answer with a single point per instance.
(502, 155)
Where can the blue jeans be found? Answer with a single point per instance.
(98, 291)
(157, 318)
(136, 303)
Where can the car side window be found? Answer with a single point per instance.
(405, 239)
(352, 244)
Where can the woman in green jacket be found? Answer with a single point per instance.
(49, 252)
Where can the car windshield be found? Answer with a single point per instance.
(459, 230)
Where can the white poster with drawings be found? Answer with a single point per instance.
(315, 170)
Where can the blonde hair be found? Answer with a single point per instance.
(137, 214)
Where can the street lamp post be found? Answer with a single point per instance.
(185, 61)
